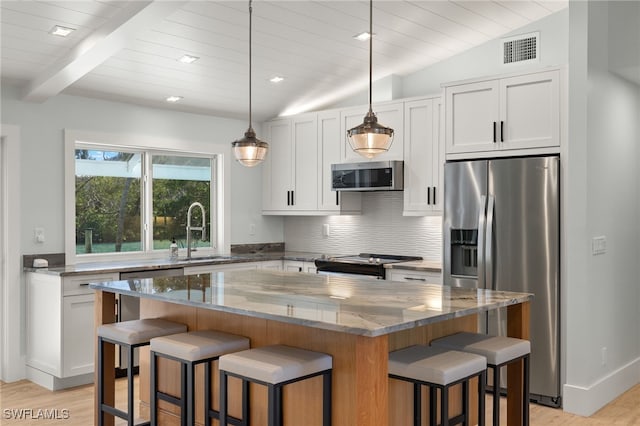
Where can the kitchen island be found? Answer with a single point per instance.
(357, 321)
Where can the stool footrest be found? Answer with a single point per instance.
(114, 411)
(169, 398)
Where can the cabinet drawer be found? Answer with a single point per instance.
(79, 284)
(415, 276)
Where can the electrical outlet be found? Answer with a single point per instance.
(603, 353)
(326, 231)
(38, 235)
(598, 245)
(252, 229)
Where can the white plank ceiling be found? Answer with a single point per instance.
(129, 50)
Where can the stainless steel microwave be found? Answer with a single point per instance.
(368, 176)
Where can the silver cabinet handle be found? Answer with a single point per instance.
(415, 279)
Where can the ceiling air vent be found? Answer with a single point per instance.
(520, 48)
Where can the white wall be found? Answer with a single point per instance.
(601, 292)
(380, 229)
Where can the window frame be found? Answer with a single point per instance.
(148, 146)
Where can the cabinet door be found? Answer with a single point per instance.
(328, 154)
(78, 335)
(472, 117)
(418, 156)
(278, 167)
(530, 111)
(305, 147)
(329, 145)
(389, 114)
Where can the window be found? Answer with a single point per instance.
(133, 201)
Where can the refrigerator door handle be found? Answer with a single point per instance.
(489, 244)
(481, 241)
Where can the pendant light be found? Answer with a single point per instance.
(250, 151)
(370, 138)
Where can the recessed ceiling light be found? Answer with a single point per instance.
(61, 31)
(188, 59)
(173, 99)
(276, 79)
(362, 36)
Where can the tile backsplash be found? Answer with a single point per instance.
(380, 229)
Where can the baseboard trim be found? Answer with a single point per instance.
(584, 401)
(53, 383)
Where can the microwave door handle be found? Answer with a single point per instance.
(481, 241)
(489, 252)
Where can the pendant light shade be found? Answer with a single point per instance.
(370, 138)
(250, 151)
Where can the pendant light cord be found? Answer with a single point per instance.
(250, 13)
(370, 52)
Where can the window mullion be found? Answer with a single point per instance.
(147, 197)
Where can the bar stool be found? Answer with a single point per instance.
(129, 335)
(191, 349)
(499, 351)
(439, 369)
(275, 367)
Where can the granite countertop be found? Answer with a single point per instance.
(165, 263)
(223, 259)
(350, 305)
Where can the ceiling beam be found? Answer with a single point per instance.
(99, 46)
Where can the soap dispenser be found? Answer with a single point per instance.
(173, 249)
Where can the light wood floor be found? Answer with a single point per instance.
(79, 402)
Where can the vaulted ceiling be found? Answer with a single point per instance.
(129, 50)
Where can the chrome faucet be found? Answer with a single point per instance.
(202, 228)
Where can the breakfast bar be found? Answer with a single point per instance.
(356, 321)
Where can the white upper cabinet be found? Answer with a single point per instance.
(423, 157)
(390, 114)
(530, 111)
(472, 117)
(521, 112)
(278, 166)
(332, 202)
(290, 173)
(304, 194)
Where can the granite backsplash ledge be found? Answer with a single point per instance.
(257, 248)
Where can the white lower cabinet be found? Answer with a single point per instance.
(241, 266)
(60, 331)
(407, 275)
(299, 266)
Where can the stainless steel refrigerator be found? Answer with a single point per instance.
(502, 232)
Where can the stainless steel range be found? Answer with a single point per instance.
(363, 264)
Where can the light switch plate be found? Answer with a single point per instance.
(38, 234)
(598, 245)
